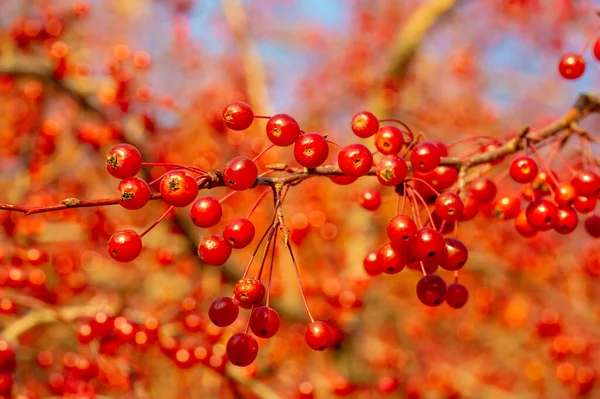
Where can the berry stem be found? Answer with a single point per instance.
(469, 139)
(415, 193)
(261, 117)
(335, 144)
(177, 166)
(260, 154)
(267, 246)
(271, 271)
(546, 167)
(160, 219)
(424, 182)
(312, 320)
(258, 201)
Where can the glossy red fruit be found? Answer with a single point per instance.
(355, 160)
(370, 200)
(426, 244)
(214, 250)
(372, 267)
(240, 173)
(597, 49)
(343, 180)
(483, 190)
(238, 115)
(364, 124)
(449, 207)
(178, 188)
(249, 292)
(8, 359)
(206, 212)
(6, 383)
(457, 295)
(311, 150)
(506, 208)
(571, 66)
(389, 140)
(456, 255)
(133, 193)
(282, 130)
(264, 322)
(425, 157)
(318, 335)
(523, 226)
(566, 220)
(523, 169)
(391, 261)
(592, 225)
(391, 170)
(125, 245)
(565, 194)
(400, 229)
(242, 349)
(431, 290)
(585, 204)
(239, 233)
(541, 214)
(586, 184)
(123, 160)
(223, 311)
(441, 178)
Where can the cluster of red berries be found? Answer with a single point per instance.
(572, 65)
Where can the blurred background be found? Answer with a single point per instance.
(79, 76)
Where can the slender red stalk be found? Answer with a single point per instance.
(312, 320)
(160, 219)
(423, 181)
(261, 117)
(260, 154)
(258, 201)
(271, 271)
(469, 139)
(190, 168)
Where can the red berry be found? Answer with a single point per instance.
(213, 250)
(441, 178)
(566, 220)
(240, 173)
(426, 244)
(391, 261)
(282, 130)
(372, 267)
(541, 214)
(364, 124)
(355, 160)
(318, 335)
(586, 184)
(491, 147)
(523, 170)
(249, 292)
(133, 193)
(523, 226)
(178, 188)
(343, 180)
(239, 233)
(507, 208)
(8, 360)
(431, 290)
(456, 295)
(449, 207)
(242, 349)
(425, 157)
(456, 255)
(571, 66)
(400, 229)
(238, 115)
(565, 194)
(206, 212)
(264, 322)
(370, 200)
(389, 140)
(123, 160)
(223, 311)
(125, 245)
(391, 170)
(597, 49)
(6, 383)
(311, 150)
(387, 384)
(585, 204)
(592, 225)
(483, 190)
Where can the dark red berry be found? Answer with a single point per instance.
(372, 267)
(541, 214)
(240, 173)
(238, 115)
(592, 225)
(343, 180)
(566, 220)
(6, 384)
(123, 160)
(206, 212)
(249, 292)
(242, 349)
(355, 160)
(431, 290)
(370, 200)
(239, 233)
(565, 194)
(507, 208)
(457, 295)
(585, 204)
(586, 184)
(364, 124)
(597, 49)
(426, 243)
(311, 150)
(318, 335)
(178, 188)
(449, 207)
(456, 255)
(425, 157)
(391, 261)
(125, 245)
(523, 170)
(214, 250)
(133, 193)
(264, 322)
(8, 360)
(223, 311)
(391, 170)
(389, 140)
(441, 178)
(523, 226)
(400, 229)
(483, 190)
(282, 130)
(571, 66)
